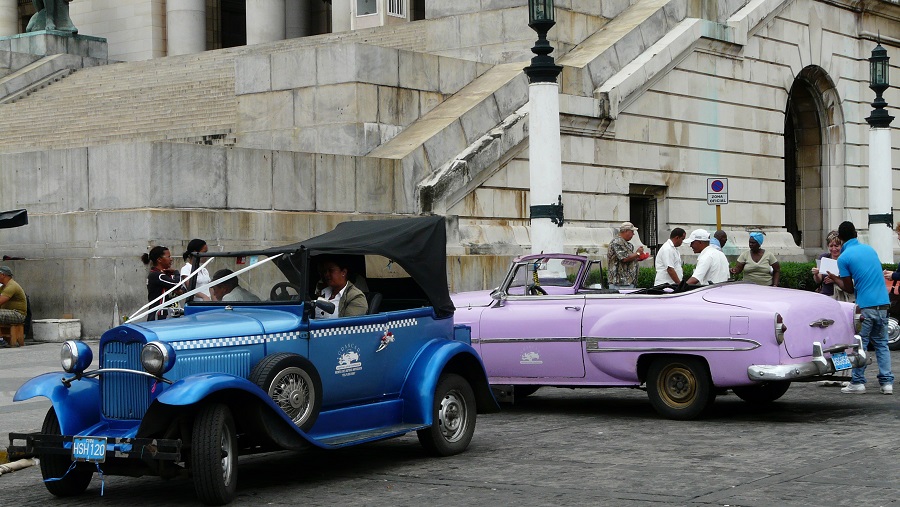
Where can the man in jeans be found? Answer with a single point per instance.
(860, 273)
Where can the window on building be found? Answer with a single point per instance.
(644, 215)
(366, 7)
(396, 8)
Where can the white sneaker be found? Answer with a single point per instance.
(887, 389)
(854, 389)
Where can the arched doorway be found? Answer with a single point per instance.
(813, 159)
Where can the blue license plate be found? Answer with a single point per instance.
(91, 449)
(841, 361)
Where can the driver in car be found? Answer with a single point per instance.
(348, 300)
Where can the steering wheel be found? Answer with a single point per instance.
(280, 291)
(534, 290)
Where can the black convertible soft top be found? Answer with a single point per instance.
(418, 245)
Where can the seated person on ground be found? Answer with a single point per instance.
(229, 290)
(348, 300)
(13, 305)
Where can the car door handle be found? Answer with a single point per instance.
(573, 308)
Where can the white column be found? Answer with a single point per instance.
(296, 18)
(9, 17)
(881, 236)
(545, 167)
(265, 21)
(185, 27)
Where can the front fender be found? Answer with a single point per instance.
(233, 391)
(77, 406)
(421, 382)
(195, 388)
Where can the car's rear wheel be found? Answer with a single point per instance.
(767, 392)
(214, 455)
(893, 334)
(59, 480)
(453, 417)
(292, 382)
(679, 388)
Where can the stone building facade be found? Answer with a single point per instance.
(264, 144)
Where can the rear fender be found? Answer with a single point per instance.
(436, 358)
(77, 406)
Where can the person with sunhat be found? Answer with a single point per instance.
(622, 259)
(712, 265)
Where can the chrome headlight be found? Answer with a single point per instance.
(157, 358)
(75, 356)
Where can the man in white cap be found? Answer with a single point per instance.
(712, 265)
(622, 259)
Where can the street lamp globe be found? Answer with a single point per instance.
(879, 81)
(879, 69)
(540, 12)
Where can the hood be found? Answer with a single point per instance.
(472, 298)
(217, 324)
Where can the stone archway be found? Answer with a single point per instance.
(813, 159)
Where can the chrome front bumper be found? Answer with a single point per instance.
(819, 365)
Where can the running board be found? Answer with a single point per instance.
(369, 435)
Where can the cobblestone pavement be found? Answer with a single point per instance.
(558, 447)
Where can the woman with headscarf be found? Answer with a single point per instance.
(759, 266)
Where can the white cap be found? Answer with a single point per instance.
(697, 235)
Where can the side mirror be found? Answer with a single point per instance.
(498, 295)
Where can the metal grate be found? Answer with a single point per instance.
(644, 216)
(396, 8)
(124, 395)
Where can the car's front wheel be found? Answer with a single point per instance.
(292, 382)
(761, 394)
(59, 480)
(214, 455)
(680, 387)
(453, 417)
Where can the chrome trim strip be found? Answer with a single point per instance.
(523, 340)
(671, 344)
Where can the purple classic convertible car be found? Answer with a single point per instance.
(548, 325)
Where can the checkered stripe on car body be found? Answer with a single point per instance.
(233, 341)
(365, 328)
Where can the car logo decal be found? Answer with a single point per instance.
(348, 362)
(531, 357)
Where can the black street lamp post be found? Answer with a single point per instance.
(543, 68)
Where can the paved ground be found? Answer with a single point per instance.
(558, 447)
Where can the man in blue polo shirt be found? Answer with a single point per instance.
(860, 272)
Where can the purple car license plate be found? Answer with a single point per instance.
(841, 361)
(91, 449)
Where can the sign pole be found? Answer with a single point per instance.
(718, 217)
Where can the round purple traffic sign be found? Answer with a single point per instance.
(717, 186)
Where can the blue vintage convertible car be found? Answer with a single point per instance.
(186, 396)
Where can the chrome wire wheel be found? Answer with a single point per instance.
(893, 334)
(292, 391)
(452, 416)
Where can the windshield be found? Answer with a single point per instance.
(544, 272)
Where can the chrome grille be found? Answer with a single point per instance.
(125, 395)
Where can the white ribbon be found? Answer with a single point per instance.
(179, 284)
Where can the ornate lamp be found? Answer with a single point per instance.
(541, 19)
(879, 81)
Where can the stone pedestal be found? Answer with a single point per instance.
(50, 42)
(56, 330)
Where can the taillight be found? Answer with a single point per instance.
(780, 328)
